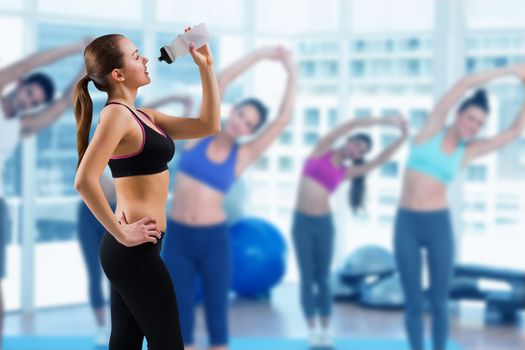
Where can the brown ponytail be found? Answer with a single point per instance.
(83, 109)
(101, 56)
(356, 194)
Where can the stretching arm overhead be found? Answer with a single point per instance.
(438, 116)
(385, 155)
(235, 69)
(482, 147)
(34, 122)
(253, 149)
(18, 70)
(328, 140)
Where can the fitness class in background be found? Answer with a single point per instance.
(260, 174)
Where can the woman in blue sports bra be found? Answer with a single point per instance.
(436, 154)
(197, 239)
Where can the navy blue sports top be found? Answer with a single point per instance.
(152, 157)
(195, 163)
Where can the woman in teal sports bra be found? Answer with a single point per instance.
(436, 154)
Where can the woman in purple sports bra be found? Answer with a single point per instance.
(312, 228)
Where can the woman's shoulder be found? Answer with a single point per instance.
(420, 139)
(114, 113)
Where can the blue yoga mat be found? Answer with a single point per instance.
(340, 344)
(87, 343)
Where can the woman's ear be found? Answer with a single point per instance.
(117, 75)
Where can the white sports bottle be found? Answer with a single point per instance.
(180, 46)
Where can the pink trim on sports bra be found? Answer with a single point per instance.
(141, 146)
(158, 127)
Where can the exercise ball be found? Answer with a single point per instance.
(342, 291)
(259, 256)
(386, 293)
(369, 261)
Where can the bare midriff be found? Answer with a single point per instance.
(422, 192)
(143, 195)
(195, 203)
(312, 198)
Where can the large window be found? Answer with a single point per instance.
(356, 59)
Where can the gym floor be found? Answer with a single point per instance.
(281, 317)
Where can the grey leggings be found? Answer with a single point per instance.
(431, 230)
(313, 238)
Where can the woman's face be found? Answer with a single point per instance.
(356, 149)
(134, 68)
(242, 121)
(28, 96)
(469, 122)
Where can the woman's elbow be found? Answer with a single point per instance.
(78, 185)
(80, 182)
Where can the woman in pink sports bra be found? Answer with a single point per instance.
(312, 228)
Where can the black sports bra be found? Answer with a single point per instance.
(152, 157)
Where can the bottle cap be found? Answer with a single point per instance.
(164, 56)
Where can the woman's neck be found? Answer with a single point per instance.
(224, 138)
(451, 136)
(125, 96)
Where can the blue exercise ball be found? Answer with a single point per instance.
(259, 256)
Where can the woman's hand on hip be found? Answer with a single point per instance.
(139, 232)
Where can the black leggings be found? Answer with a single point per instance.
(143, 302)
